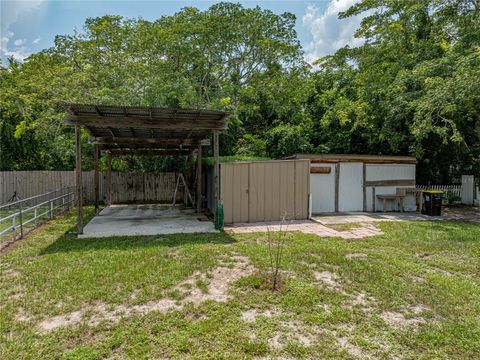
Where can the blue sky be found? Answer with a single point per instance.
(30, 26)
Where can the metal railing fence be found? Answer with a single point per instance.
(19, 217)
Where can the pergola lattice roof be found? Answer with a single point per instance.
(140, 130)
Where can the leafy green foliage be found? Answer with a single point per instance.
(412, 88)
(214, 59)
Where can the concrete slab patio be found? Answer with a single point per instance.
(364, 217)
(463, 213)
(152, 219)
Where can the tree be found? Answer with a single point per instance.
(200, 59)
(410, 89)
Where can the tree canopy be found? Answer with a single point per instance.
(411, 89)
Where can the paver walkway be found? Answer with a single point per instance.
(365, 222)
(307, 227)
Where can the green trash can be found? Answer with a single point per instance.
(432, 202)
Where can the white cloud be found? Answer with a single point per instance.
(329, 33)
(10, 13)
(19, 42)
(36, 41)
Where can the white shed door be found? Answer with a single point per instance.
(322, 187)
(350, 187)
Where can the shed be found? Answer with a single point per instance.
(344, 183)
(259, 191)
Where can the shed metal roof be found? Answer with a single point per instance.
(135, 128)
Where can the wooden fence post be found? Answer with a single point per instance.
(79, 183)
(216, 175)
(109, 178)
(199, 178)
(337, 185)
(96, 178)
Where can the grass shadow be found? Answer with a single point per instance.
(69, 242)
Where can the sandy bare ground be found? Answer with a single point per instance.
(219, 281)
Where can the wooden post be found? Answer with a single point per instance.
(96, 178)
(216, 175)
(199, 178)
(79, 183)
(374, 199)
(337, 185)
(109, 178)
(364, 187)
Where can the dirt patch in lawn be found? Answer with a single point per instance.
(361, 301)
(292, 331)
(308, 264)
(328, 279)
(252, 314)
(308, 335)
(353, 350)
(214, 286)
(356, 256)
(398, 320)
(418, 279)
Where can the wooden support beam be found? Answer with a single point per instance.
(199, 178)
(147, 141)
(366, 161)
(337, 185)
(321, 170)
(110, 130)
(79, 183)
(374, 198)
(167, 122)
(96, 154)
(216, 174)
(399, 182)
(109, 178)
(364, 186)
(151, 152)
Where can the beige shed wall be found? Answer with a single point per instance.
(265, 190)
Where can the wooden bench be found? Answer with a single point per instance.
(385, 197)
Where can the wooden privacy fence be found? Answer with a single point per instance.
(265, 190)
(127, 187)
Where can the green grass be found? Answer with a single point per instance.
(432, 264)
(344, 227)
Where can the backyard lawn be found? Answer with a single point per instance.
(411, 293)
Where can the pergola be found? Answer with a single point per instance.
(125, 130)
